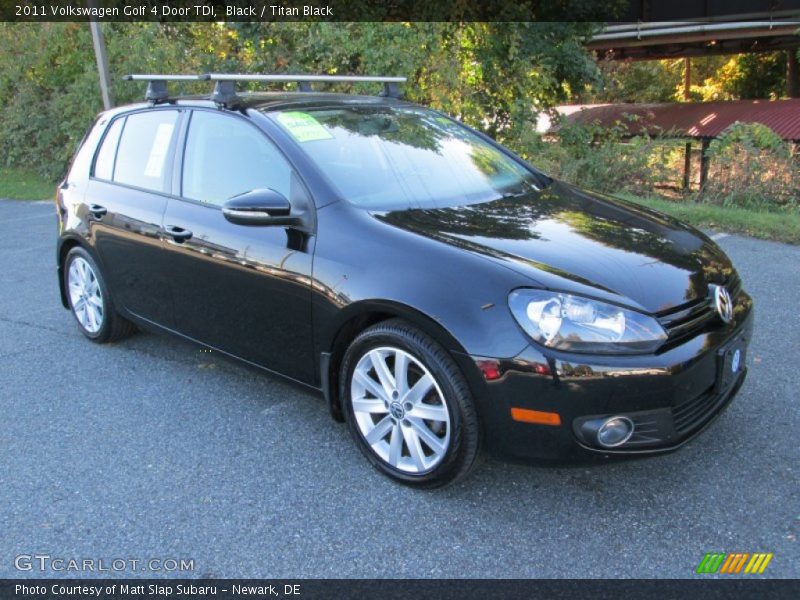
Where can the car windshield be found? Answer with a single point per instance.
(387, 158)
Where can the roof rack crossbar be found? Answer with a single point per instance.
(390, 87)
(312, 78)
(159, 77)
(157, 84)
(225, 92)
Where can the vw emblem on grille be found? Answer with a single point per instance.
(723, 304)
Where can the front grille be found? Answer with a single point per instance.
(693, 413)
(689, 319)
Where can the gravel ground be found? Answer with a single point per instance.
(151, 449)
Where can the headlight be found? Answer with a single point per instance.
(568, 322)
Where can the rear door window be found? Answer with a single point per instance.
(144, 148)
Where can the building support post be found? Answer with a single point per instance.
(704, 160)
(792, 75)
(687, 79)
(687, 166)
(102, 63)
(687, 157)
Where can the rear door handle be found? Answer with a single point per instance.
(98, 211)
(179, 234)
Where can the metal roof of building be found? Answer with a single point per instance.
(692, 119)
(731, 34)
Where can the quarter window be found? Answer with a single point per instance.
(226, 156)
(143, 149)
(104, 164)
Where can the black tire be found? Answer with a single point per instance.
(113, 326)
(464, 438)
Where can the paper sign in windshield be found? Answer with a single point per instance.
(303, 127)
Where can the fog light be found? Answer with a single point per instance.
(615, 431)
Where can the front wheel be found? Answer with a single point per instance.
(408, 407)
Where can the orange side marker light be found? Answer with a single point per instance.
(524, 415)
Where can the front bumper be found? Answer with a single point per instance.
(671, 396)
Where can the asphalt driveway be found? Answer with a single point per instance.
(151, 448)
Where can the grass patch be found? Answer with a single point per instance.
(24, 184)
(777, 226)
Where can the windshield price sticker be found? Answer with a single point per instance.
(303, 127)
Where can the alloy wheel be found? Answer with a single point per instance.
(85, 295)
(400, 410)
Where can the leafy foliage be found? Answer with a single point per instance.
(495, 76)
(49, 92)
(743, 76)
(640, 81)
(603, 159)
(749, 76)
(752, 167)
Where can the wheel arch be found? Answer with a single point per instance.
(356, 318)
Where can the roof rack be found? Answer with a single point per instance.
(225, 87)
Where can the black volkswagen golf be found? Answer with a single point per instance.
(440, 292)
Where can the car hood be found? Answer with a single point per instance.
(572, 240)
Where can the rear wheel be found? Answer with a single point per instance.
(408, 406)
(89, 299)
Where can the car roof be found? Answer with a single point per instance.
(268, 101)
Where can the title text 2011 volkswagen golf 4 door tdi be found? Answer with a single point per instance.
(443, 294)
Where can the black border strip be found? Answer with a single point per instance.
(366, 589)
(610, 11)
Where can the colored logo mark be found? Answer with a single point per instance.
(734, 563)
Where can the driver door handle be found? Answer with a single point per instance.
(98, 211)
(179, 234)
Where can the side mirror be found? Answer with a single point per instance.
(259, 207)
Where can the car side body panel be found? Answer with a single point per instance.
(464, 294)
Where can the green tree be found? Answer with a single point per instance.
(737, 77)
(495, 76)
(634, 81)
(751, 76)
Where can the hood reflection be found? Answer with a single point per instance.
(585, 238)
